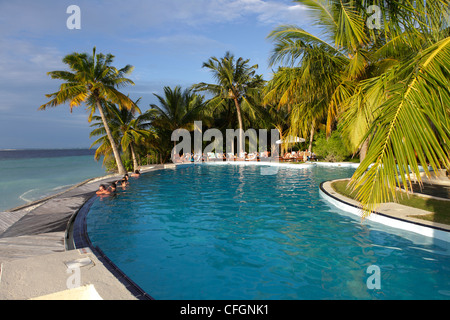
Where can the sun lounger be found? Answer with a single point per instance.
(264, 156)
(252, 157)
(287, 157)
(211, 156)
(176, 158)
(230, 156)
(241, 157)
(299, 157)
(220, 156)
(198, 157)
(186, 157)
(311, 157)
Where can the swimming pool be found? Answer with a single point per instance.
(228, 232)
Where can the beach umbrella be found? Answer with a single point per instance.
(290, 139)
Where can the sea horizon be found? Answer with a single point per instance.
(32, 174)
(34, 148)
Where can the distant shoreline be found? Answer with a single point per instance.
(6, 154)
(42, 149)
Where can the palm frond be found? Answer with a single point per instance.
(411, 129)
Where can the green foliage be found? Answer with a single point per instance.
(236, 82)
(92, 81)
(111, 166)
(332, 149)
(392, 96)
(128, 164)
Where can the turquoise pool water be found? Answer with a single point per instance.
(228, 232)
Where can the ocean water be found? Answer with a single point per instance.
(29, 175)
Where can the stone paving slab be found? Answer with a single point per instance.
(37, 276)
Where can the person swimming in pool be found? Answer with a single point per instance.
(112, 187)
(102, 190)
(136, 174)
(123, 183)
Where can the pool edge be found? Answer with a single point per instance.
(81, 238)
(343, 203)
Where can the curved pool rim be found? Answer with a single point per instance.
(435, 232)
(81, 237)
(81, 240)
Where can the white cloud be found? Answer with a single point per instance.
(23, 68)
(267, 12)
(115, 16)
(204, 12)
(166, 41)
(24, 61)
(169, 44)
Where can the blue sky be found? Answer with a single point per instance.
(166, 41)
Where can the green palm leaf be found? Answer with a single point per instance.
(412, 128)
(94, 82)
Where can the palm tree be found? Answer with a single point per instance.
(178, 109)
(93, 81)
(308, 88)
(236, 81)
(127, 129)
(394, 88)
(135, 133)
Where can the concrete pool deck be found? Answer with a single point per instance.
(37, 260)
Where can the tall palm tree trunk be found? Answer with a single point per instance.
(311, 138)
(133, 156)
(116, 153)
(241, 127)
(280, 150)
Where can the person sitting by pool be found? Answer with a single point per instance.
(305, 156)
(123, 183)
(102, 190)
(176, 158)
(136, 174)
(287, 157)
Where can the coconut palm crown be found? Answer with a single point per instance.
(393, 95)
(237, 81)
(92, 80)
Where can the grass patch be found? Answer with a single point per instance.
(440, 209)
